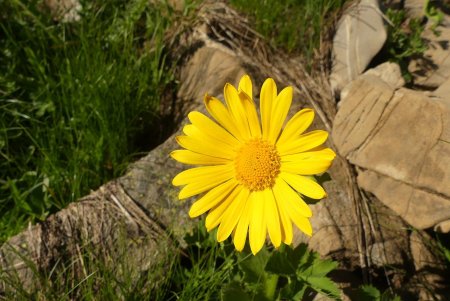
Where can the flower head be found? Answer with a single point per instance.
(252, 172)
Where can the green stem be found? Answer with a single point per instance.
(270, 286)
(270, 283)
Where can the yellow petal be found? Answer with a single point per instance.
(195, 133)
(212, 129)
(286, 223)
(212, 198)
(199, 174)
(296, 125)
(216, 214)
(304, 185)
(240, 235)
(252, 115)
(285, 195)
(272, 218)
(188, 157)
(268, 96)
(205, 147)
(320, 154)
(302, 223)
(291, 207)
(258, 226)
(280, 111)
(204, 184)
(220, 113)
(232, 215)
(236, 109)
(303, 143)
(306, 167)
(245, 85)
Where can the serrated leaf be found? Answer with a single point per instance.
(325, 286)
(368, 293)
(287, 261)
(320, 267)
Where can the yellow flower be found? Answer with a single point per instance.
(252, 173)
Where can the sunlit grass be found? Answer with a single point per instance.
(74, 100)
(297, 26)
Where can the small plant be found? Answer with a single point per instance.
(286, 274)
(216, 271)
(371, 293)
(433, 14)
(404, 40)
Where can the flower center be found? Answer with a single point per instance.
(257, 165)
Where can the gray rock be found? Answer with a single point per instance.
(390, 73)
(444, 89)
(400, 140)
(359, 37)
(433, 68)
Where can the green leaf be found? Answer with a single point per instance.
(254, 266)
(368, 293)
(287, 261)
(293, 290)
(234, 292)
(325, 286)
(320, 267)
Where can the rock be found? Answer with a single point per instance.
(414, 8)
(359, 37)
(390, 73)
(443, 227)
(64, 10)
(365, 100)
(206, 68)
(433, 68)
(444, 90)
(178, 5)
(399, 140)
(419, 208)
(425, 263)
(422, 255)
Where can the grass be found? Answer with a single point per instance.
(75, 100)
(296, 26)
(86, 276)
(207, 270)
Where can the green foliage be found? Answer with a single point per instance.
(88, 276)
(297, 26)
(433, 14)
(370, 293)
(287, 274)
(75, 100)
(443, 249)
(205, 269)
(404, 40)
